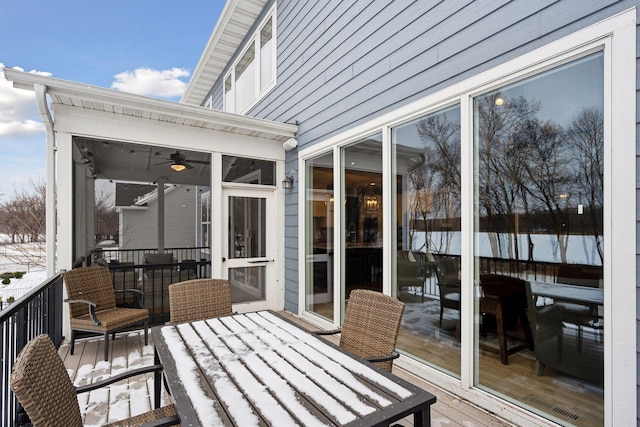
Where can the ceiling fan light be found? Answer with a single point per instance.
(178, 167)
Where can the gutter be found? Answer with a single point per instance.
(51, 226)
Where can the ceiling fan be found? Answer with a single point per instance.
(179, 162)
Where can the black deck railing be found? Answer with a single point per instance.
(37, 312)
(137, 256)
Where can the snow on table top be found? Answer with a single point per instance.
(259, 362)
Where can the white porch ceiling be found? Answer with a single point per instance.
(119, 160)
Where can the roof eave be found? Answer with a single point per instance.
(233, 20)
(86, 95)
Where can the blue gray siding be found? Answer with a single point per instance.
(342, 63)
(140, 224)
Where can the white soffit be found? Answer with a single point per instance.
(111, 101)
(234, 23)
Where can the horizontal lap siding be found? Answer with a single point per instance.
(343, 63)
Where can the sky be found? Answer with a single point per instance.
(147, 47)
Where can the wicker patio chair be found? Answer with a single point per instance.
(370, 327)
(92, 305)
(199, 299)
(43, 387)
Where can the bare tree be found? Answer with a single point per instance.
(24, 219)
(106, 216)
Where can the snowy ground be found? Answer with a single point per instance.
(27, 258)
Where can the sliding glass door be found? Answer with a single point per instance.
(539, 243)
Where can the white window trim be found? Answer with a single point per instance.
(255, 43)
(615, 35)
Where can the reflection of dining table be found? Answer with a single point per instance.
(261, 369)
(568, 293)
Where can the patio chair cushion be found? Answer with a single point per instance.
(110, 319)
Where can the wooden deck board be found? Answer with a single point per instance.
(128, 351)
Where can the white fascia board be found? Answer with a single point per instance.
(91, 94)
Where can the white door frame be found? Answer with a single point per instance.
(268, 261)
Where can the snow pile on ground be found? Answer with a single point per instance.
(19, 287)
(28, 258)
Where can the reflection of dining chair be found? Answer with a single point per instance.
(92, 305)
(448, 284)
(199, 299)
(410, 273)
(370, 328)
(579, 314)
(551, 348)
(42, 385)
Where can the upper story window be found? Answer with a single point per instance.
(254, 72)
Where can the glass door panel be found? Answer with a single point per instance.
(426, 164)
(319, 236)
(362, 217)
(247, 259)
(538, 241)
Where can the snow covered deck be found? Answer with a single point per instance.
(129, 351)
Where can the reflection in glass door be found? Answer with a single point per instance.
(426, 164)
(362, 219)
(319, 236)
(538, 242)
(247, 259)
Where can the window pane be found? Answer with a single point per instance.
(319, 228)
(228, 95)
(538, 238)
(362, 216)
(247, 284)
(248, 171)
(267, 33)
(245, 80)
(426, 155)
(247, 219)
(267, 55)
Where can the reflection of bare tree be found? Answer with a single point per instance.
(528, 167)
(549, 175)
(501, 158)
(586, 134)
(435, 181)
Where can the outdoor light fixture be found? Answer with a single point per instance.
(499, 101)
(287, 182)
(178, 167)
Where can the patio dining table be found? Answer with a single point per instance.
(260, 369)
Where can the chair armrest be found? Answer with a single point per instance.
(92, 308)
(163, 422)
(384, 358)
(119, 377)
(139, 295)
(329, 332)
